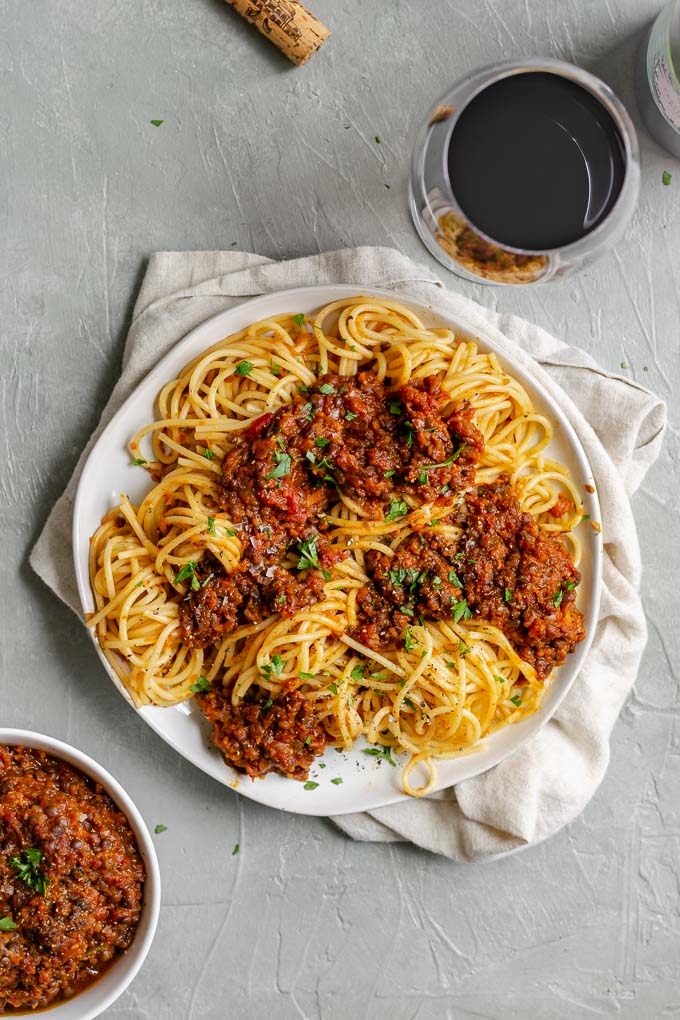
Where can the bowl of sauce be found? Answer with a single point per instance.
(79, 881)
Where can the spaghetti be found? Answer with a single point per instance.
(304, 560)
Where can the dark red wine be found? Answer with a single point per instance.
(536, 161)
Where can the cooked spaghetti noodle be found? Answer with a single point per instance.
(447, 682)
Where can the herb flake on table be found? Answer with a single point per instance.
(310, 785)
(337, 781)
(666, 177)
(237, 847)
(157, 123)
(160, 828)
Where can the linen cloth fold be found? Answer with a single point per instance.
(549, 780)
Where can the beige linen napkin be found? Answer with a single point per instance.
(548, 781)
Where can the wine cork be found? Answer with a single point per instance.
(286, 23)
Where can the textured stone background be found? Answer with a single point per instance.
(256, 154)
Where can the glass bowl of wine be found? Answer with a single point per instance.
(524, 172)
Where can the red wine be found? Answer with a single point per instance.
(536, 161)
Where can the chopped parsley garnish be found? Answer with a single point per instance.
(282, 465)
(230, 532)
(280, 442)
(299, 318)
(507, 595)
(463, 649)
(406, 610)
(274, 667)
(437, 581)
(157, 123)
(310, 785)
(308, 411)
(333, 688)
(357, 674)
(387, 474)
(410, 432)
(434, 522)
(409, 643)
(584, 517)
(188, 571)
(160, 828)
(309, 554)
(237, 847)
(337, 781)
(211, 525)
(349, 416)
(281, 599)
(202, 684)
(381, 752)
(268, 704)
(516, 700)
(274, 369)
(666, 176)
(499, 679)
(322, 441)
(307, 741)
(138, 461)
(306, 676)
(326, 575)
(407, 701)
(461, 611)
(27, 867)
(327, 389)
(310, 456)
(422, 478)
(397, 508)
(454, 579)
(208, 454)
(7, 924)
(396, 407)
(244, 368)
(446, 463)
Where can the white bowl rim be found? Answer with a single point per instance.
(151, 903)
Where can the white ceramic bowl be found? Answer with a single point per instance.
(99, 996)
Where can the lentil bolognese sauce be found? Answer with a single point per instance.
(71, 880)
(353, 530)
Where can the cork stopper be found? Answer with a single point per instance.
(291, 27)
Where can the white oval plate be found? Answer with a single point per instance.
(366, 783)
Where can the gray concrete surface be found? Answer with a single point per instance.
(256, 154)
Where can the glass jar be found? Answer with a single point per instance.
(659, 79)
(458, 243)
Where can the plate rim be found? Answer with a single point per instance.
(463, 328)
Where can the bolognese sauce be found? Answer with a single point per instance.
(71, 880)
(375, 445)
